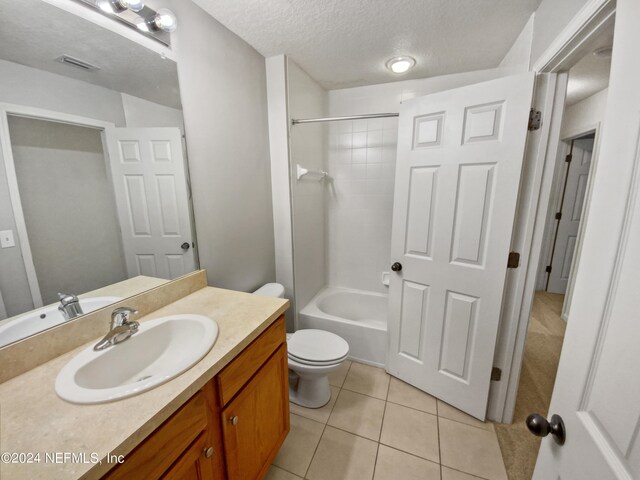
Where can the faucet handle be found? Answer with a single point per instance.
(67, 298)
(120, 316)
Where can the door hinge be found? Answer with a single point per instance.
(548, 269)
(514, 260)
(568, 158)
(535, 119)
(559, 216)
(496, 374)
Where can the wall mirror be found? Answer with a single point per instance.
(94, 194)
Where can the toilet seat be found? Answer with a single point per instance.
(317, 364)
(317, 347)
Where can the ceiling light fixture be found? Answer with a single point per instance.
(401, 64)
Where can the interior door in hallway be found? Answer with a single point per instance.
(458, 169)
(577, 179)
(149, 181)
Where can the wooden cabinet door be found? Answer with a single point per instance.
(193, 464)
(256, 422)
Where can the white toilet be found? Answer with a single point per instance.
(313, 355)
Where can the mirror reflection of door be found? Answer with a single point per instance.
(61, 229)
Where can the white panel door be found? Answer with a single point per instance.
(571, 213)
(458, 169)
(149, 181)
(597, 389)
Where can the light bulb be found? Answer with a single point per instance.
(401, 64)
(166, 20)
(134, 5)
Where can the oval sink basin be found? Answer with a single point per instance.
(45, 318)
(161, 350)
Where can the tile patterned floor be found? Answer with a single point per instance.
(378, 427)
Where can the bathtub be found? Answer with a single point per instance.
(358, 316)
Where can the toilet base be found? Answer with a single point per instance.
(311, 391)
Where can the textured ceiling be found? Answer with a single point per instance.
(591, 73)
(35, 33)
(345, 43)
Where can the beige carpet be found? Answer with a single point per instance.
(540, 363)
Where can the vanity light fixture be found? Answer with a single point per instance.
(164, 19)
(119, 6)
(401, 64)
(135, 14)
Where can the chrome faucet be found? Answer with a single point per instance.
(121, 328)
(69, 306)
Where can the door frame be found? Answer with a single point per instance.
(6, 110)
(555, 203)
(570, 45)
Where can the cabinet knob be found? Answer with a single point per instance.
(233, 420)
(208, 452)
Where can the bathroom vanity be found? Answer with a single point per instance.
(225, 417)
(239, 419)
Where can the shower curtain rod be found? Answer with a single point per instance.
(295, 121)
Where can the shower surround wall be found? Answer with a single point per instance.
(306, 99)
(361, 160)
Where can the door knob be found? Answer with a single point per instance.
(539, 426)
(396, 267)
(233, 420)
(185, 246)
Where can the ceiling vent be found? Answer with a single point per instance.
(77, 63)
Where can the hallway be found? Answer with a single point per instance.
(540, 364)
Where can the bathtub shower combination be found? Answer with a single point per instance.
(358, 316)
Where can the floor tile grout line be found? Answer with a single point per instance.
(375, 462)
(466, 424)
(439, 447)
(462, 471)
(315, 451)
(411, 454)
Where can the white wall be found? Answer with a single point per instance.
(139, 112)
(518, 57)
(584, 115)
(551, 17)
(361, 158)
(223, 91)
(36, 88)
(306, 99)
(281, 179)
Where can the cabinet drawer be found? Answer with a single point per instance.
(156, 454)
(245, 365)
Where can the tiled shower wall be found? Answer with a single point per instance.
(361, 160)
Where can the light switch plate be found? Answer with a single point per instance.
(6, 239)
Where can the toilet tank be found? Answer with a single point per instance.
(270, 290)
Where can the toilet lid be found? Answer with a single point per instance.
(312, 345)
